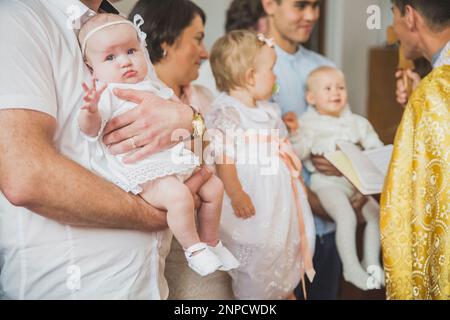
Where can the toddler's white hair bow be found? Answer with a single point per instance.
(268, 41)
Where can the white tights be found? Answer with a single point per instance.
(336, 202)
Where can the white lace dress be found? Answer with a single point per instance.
(173, 161)
(268, 244)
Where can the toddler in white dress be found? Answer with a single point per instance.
(266, 219)
(114, 50)
(327, 121)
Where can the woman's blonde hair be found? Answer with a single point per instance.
(231, 56)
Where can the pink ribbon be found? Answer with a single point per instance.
(295, 167)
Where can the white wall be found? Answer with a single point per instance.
(348, 41)
(215, 19)
(124, 6)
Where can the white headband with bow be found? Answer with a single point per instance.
(138, 21)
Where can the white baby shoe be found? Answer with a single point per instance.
(229, 261)
(204, 261)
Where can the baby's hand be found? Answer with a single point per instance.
(291, 121)
(92, 97)
(243, 205)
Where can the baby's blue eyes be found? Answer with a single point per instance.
(111, 57)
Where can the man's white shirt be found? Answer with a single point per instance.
(42, 69)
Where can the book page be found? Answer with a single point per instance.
(366, 170)
(343, 164)
(371, 178)
(381, 157)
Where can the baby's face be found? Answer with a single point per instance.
(328, 93)
(115, 55)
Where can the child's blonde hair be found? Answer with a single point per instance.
(231, 56)
(310, 81)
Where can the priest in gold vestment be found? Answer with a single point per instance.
(415, 204)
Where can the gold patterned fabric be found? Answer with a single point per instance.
(415, 208)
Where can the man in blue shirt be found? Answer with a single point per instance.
(291, 23)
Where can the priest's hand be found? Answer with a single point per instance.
(402, 92)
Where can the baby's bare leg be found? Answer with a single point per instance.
(209, 214)
(171, 194)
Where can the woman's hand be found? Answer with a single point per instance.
(243, 205)
(325, 167)
(148, 128)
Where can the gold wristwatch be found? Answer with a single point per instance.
(198, 124)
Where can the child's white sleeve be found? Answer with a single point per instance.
(369, 138)
(223, 125)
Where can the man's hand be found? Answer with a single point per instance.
(325, 167)
(194, 183)
(358, 202)
(291, 121)
(243, 205)
(316, 207)
(402, 93)
(151, 125)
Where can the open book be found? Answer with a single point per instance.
(366, 170)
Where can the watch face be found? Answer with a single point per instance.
(198, 125)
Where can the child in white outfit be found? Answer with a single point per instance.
(266, 219)
(115, 53)
(320, 128)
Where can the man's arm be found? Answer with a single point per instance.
(316, 207)
(34, 175)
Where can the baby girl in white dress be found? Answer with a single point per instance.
(114, 50)
(328, 121)
(266, 219)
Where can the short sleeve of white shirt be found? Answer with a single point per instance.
(26, 77)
